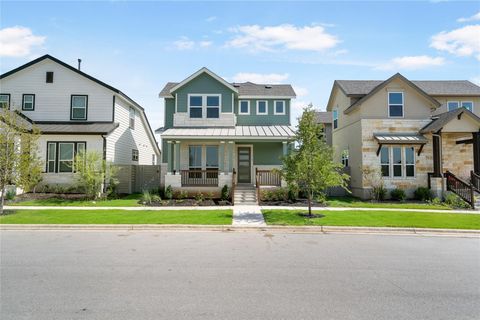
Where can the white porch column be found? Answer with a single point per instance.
(230, 155)
(177, 156)
(285, 148)
(169, 157)
(221, 166)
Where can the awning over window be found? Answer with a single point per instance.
(400, 138)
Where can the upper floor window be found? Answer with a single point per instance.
(397, 162)
(335, 119)
(28, 102)
(49, 77)
(134, 155)
(132, 118)
(395, 104)
(244, 107)
(78, 108)
(204, 106)
(279, 107)
(262, 107)
(5, 101)
(452, 105)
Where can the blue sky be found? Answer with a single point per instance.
(139, 46)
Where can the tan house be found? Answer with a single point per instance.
(410, 132)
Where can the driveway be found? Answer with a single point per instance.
(214, 275)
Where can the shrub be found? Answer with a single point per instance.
(436, 201)
(146, 197)
(169, 192)
(199, 197)
(454, 201)
(156, 198)
(321, 198)
(292, 193)
(225, 195)
(398, 194)
(280, 194)
(267, 195)
(423, 194)
(182, 194)
(10, 194)
(209, 195)
(379, 192)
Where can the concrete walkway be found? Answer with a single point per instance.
(233, 208)
(248, 216)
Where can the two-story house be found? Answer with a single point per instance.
(74, 112)
(411, 132)
(217, 132)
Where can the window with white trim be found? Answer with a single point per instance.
(452, 105)
(468, 105)
(79, 105)
(28, 102)
(397, 161)
(204, 105)
(335, 119)
(395, 104)
(244, 107)
(4, 101)
(279, 107)
(344, 158)
(131, 116)
(134, 155)
(262, 107)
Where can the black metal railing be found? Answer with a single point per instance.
(461, 188)
(199, 178)
(475, 180)
(268, 178)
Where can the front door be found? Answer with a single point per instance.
(244, 165)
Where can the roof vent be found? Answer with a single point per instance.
(268, 86)
(236, 85)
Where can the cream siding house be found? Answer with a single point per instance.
(75, 111)
(413, 132)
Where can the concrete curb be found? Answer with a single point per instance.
(230, 228)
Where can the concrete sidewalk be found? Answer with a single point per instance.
(249, 216)
(233, 207)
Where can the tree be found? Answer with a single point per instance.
(309, 167)
(19, 161)
(93, 172)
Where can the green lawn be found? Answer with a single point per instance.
(351, 202)
(375, 219)
(127, 201)
(51, 216)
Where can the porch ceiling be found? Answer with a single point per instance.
(237, 132)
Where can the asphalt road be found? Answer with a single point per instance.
(208, 275)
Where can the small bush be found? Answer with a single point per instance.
(225, 195)
(156, 198)
(321, 198)
(398, 194)
(436, 201)
(454, 201)
(266, 195)
(292, 193)
(209, 195)
(182, 194)
(423, 194)
(280, 194)
(199, 197)
(379, 192)
(169, 193)
(10, 194)
(146, 197)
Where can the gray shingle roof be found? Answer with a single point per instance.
(442, 119)
(77, 128)
(242, 132)
(324, 117)
(247, 89)
(433, 87)
(19, 120)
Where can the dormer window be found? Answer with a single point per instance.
(262, 107)
(395, 104)
(204, 105)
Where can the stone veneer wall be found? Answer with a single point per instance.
(457, 158)
(424, 162)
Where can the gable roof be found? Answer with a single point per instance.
(19, 120)
(115, 90)
(381, 85)
(323, 117)
(246, 89)
(443, 119)
(198, 73)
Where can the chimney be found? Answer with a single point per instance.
(79, 63)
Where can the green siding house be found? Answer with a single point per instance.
(218, 133)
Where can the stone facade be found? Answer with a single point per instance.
(457, 158)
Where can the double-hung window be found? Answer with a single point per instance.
(262, 107)
(204, 105)
(195, 161)
(78, 108)
(4, 101)
(395, 104)
(452, 105)
(335, 119)
(134, 155)
(61, 156)
(279, 107)
(28, 102)
(211, 157)
(244, 107)
(397, 162)
(132, 118)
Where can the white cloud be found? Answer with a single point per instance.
(185, 43)
(18, 41)
(476, 80)
(270, 78)
(285, 36)
(471, 18)
(300, 91)
(412, 63)
(461, 42)
(210, 19)
(205, 44)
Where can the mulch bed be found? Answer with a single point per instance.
(296, 203)
(43, 196)
(189, 203)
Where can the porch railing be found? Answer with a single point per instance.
(206, 178)
(475, 180)
(268, 178)
(461, 188)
